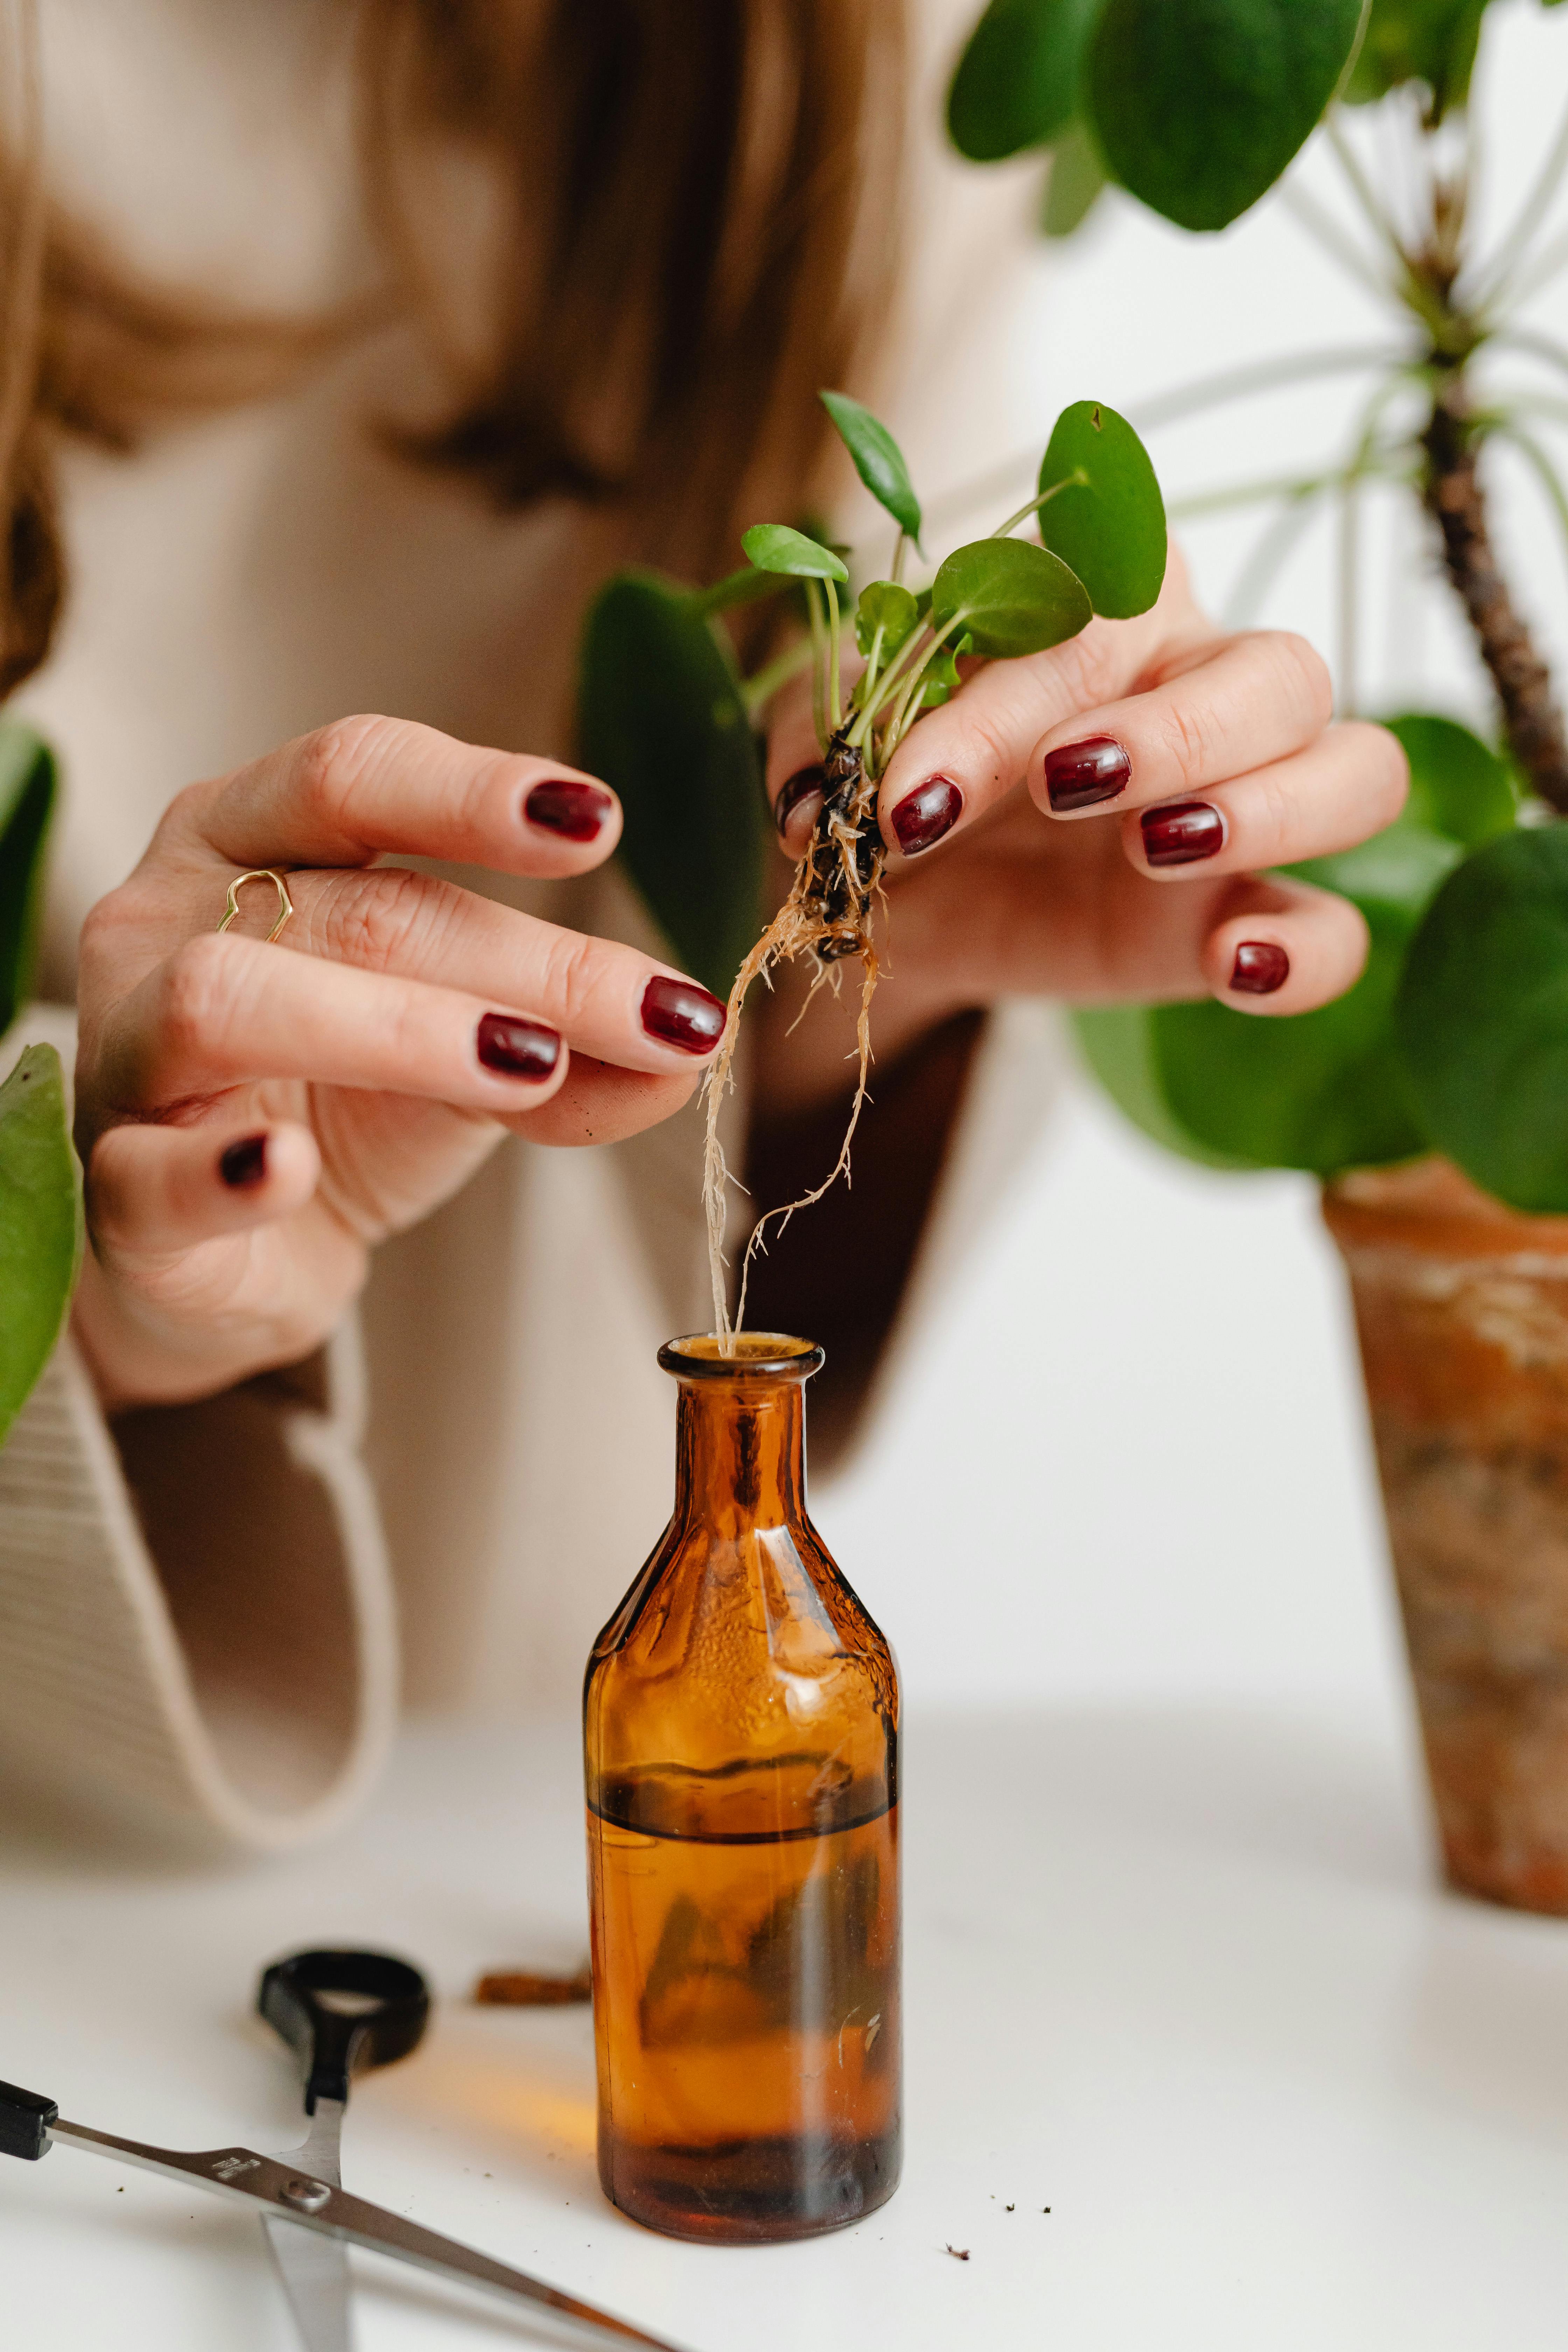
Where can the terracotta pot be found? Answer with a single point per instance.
(1462, 1307)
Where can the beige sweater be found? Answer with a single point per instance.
(202, 1610)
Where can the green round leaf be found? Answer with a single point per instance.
(659, 718)
(27, 784)
(1324, 1091)
(1117, 1043)
(1073, 184)
(40, 1223)
(878, 460)
(1016, 83)
(885, 606)
(1110, 526)
(1015, 598)
(775, 547)
(1482, 1018)
(1458, 785)
(1198, 105)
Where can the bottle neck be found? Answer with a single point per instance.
(740, 1452)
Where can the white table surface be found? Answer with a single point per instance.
(1178, 1976)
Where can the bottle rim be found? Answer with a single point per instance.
(757, 1355)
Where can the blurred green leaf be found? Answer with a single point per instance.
(1430, 41)
(1110, 528)
(1323, 1090)
(775, 547)
(1117, 1042)
(1198, 106)
(27, 788)
(1015, 598)
(878, 460)
(885, 606)
(1016, 82)
(40, 1223)
(1074, 182)
(1458, 785)
(659, 718)
(1482, 1018)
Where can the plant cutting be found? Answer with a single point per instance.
(666, 717)
(1431, 1097)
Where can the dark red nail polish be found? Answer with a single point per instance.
(678, 1013)
(920, 821)
(1260, 968)
(800, 787)
(1181, 833)
(518, 1049)
(244, 1163)
(563, 805)
(1080, 774)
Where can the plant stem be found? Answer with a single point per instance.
(1332, 238)
(1361, 186)
(835, 702)
(1077, 481)
(748, 586)
(1532, 211)
(1452, 497)
(818, 666)
(900, 548)
(758, 691)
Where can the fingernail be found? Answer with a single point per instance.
(920, 821)
(1181, 833)
(518, 1049)
(244, 1163)
(562, 804)
(802, 785)
(1080, 774)
(678, 1013)
(1260, 968)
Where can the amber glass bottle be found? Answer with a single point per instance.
(741, 1733)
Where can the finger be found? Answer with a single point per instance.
(367, 786)
(1255, 699)
(794, 770)
(154, 1188)
(971, 752)
(1348, 786)
(599, 1103)
(227, 1012)
(610, 1000)
(1284, 947)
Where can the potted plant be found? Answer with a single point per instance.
(1432, 1099)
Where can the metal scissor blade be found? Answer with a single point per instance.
(315, 2274)
(239, 2172)
(314, 2270)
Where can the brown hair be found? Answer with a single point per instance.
(638, 233)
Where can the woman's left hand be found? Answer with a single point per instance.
(1099, 823)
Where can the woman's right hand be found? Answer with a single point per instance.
(253, 1118)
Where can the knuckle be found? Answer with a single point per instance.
(1303, 674)
(571, 971)
(197, 996)
(1186, 739)
(382, 918)
(331, 763)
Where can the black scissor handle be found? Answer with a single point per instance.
(341, 2012)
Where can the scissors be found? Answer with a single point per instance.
(340, 2012)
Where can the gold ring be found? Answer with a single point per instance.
(261, 873)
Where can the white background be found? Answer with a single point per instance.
(1135, 1460)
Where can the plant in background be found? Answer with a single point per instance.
(667, 718)
(40, 1192)
(1456, 1039)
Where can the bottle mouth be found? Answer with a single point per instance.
(755, 1355)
